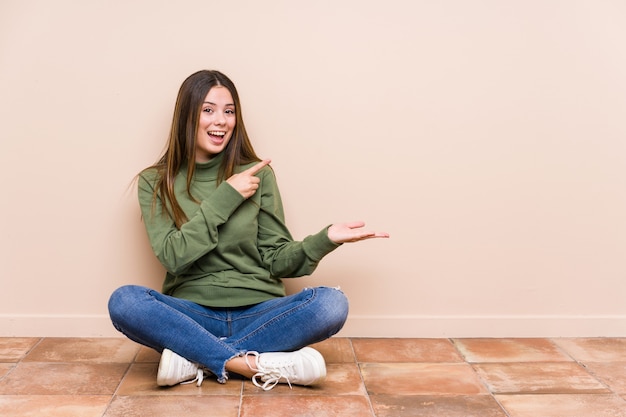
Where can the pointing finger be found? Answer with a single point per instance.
(256, 168)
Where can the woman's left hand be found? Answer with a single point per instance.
(352, 232)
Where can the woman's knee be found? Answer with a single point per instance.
(123, 299)
(334, 303)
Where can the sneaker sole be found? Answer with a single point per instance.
(317, 360)
(163, 379)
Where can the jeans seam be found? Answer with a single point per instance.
(277, 318)
(185, 307)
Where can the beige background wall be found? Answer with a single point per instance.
(488, 137)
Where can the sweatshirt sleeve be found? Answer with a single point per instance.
(283, 256)
(177, 249)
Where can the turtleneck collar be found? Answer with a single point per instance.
(206, 171)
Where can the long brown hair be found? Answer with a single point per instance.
(181, 144)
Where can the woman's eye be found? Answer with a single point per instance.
(208, 110)
(230, 111)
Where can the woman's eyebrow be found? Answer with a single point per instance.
(213, 104)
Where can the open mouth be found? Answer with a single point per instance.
(217, 135)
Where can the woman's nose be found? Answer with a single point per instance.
(219, 119)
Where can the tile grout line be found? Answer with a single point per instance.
(583, 365)
(358, 365)
(599, 380)
(21, 359)
(565, 353)
(117, 388)
(126, 372)
(482, 381)
(241, 389)
(32, 348)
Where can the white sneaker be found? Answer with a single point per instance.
(174, 369)
(303, 367)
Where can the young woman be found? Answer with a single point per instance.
(214, 218)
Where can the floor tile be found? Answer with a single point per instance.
(510, 350)
(12, 349)
(612, 374)
(63, 379)
(341, 379)
(141, 380)
(147, 355)
(109, 377)
(405, 350)
(5, 368)
(167, 406)
(336, 350)
(83, 350)
(421, 378)
(538, 378)
(595, 349)
(436, 406)
(53, 405)
(563, 405)
(305, 406)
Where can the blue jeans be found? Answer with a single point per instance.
(212, 336)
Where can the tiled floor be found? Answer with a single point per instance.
(366, 377)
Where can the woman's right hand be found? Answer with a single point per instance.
(246, 182)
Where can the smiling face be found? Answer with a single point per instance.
(216, 124)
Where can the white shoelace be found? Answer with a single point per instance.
(270, 377)
(199, 378)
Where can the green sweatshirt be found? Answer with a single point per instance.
(232, 252)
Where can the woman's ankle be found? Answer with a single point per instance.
(240, 366)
